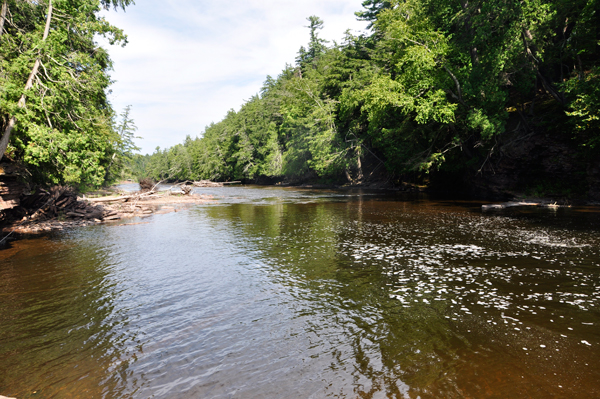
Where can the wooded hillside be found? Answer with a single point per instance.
(438, 90)
(486, 95)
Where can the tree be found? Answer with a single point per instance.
(125, 146)
(372, 10)
(435, 84)
(316, 45)
(28, 85)
(55, 113)
(126, 129)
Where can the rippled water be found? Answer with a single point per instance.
(272, 293)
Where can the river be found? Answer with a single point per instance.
(289, 293)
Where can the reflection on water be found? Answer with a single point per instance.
(289, 293)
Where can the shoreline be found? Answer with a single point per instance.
(113, 206)
(112, 211)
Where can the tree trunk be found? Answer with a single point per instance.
(21, 104)
(108, 168)
(531, 50)
(3, 16)
(359, 164)
(472, 49)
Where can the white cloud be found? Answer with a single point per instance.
(188, 62)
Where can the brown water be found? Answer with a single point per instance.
(281, 293)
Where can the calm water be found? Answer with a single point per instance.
(283, 293)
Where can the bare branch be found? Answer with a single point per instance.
(457, 83)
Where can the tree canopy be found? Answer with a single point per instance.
(432, 85)
(56, 118)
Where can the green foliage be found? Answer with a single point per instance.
(316, 45)
(372, 10)
(585, 107)
(64, 132)
(126, 130)
(428, 88)
(124, 149)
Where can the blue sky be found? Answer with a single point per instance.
(189, 62)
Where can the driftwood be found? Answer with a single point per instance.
(513, 204)
(186, 188)
(50, 204)
(147, 184)
(129, 198)
(110, 199)
(59, 208)
(208, 183)
(10, 192)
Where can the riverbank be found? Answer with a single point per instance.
(47, 211)
(65, 211)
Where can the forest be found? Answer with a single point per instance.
(436, 91)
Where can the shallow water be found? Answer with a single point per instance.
(272, 292)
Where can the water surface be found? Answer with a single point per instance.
(272, 292)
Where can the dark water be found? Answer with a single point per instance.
(281, 293)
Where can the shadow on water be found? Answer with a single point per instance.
(279, 293)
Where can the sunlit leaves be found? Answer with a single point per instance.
(428, 86)
(585, 107)
(65, 133)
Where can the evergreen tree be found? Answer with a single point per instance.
(55, 114)
(124, 148)
(372, 10)
(316, 45)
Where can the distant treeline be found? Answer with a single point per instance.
(430, 87)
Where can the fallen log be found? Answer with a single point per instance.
(513, 204)
(125, 198)
(510, 204)
(110, 199)
(157, 195)
(208, 183)
(62, 202)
